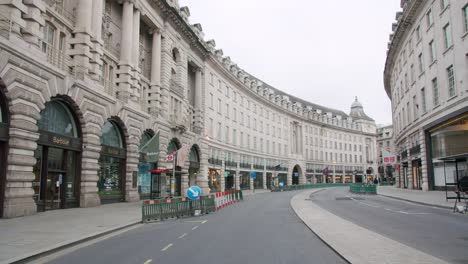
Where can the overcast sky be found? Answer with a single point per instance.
(325, 52)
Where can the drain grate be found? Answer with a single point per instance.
(343, 198)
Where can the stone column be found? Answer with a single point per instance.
(264, 177)
(198, 101)
(166, 61)
(155, 88)
(125, 64)
(184, 177)
(135, 89)
(34, 22)
(82, 40)
(410, 167)
(425, 178)
(96, 50)
(289, 176)
(250, 178)
(237, 180)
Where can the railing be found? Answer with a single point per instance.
(57, 57)
(258, 167)
(57, 6)
(231, 163)
(177, 207)
(306, 186)
(363, 188)
(215, 161)
(177, 88)
(245, 165)
(415, 150)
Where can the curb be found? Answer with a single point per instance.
(61, 246)
(416, 202)
(320, 238)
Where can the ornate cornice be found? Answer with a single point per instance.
(404, 24)
(172, 14)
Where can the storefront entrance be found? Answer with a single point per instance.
(112, 162)
(244, 180)
(58, 159)
(149, 154)
(417, 174)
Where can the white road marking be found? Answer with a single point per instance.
(195, 227)
(167, 247)
(183, 235)
(371, 205)
(403, 212)
(148, 261)
(204, 221)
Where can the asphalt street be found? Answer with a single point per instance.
(435, 231)
(261, 229)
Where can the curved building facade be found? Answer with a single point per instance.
(426, 78)
(94, 94)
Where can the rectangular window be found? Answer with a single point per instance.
(261, 144)
(465, 16)
(234, 114)
(234, 136)
(432, 51)
(420, 63)
(241, 139)
(227, 135)
(408, 113)
(406, 82)
(415, 107)
(248, 121)
(227, 91)
(218, 136)
(443, 4)
(447, 36)
(210, 132)
(211, 100)
(219, 106)
(242, 118)
(435, 92)
(227, 110)
(429, 18)
(418, 33)
(451, 81)
(412, 73)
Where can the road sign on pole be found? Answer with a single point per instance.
(253, 175)
(170, 157)
(194, 192)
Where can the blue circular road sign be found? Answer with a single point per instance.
(194, 192)
(281, 184)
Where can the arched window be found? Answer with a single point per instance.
(57, 118)
(111, 135)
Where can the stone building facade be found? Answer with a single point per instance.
(426, 78)
(385, 143)
(94, 94)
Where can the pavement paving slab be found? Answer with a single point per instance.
(28, 236)
(355, 243)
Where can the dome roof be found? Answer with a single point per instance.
(356, 103)
(357, 111)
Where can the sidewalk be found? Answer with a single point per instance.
(432, 198)
(257, 191)
(354, 243)
(31, 235)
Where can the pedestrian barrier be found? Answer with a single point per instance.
(306, 186)
(363, 188)
(227, 198)
(176, 207)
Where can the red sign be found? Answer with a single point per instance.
(159, 171)
(389, 159)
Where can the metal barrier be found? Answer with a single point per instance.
(306, 186)
(177, 207)
(363, 188)
(227, 198)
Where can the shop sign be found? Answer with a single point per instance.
(111, 151)
(55, 140)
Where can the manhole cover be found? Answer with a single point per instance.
(343, 198)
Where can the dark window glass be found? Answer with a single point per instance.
(110, 181)
(56, 118)
(111, 135)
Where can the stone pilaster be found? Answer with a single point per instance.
(131, 193)
(34, 22)
(90, 166)
(166, 62)
(223, 169)
(22, 143)
(425, 176)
